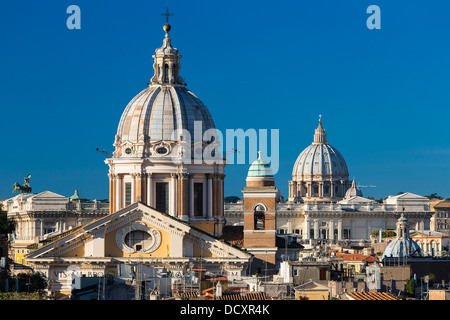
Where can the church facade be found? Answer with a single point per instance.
(137, 234)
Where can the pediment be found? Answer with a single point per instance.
(356, 200)
(408, 196)
(49, 194)
(169, 237)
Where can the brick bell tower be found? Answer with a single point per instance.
(260, 198)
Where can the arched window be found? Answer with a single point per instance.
(259, 216)
(166, 73)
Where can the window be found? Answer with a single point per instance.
(323, 274)
(162, 197)
(138, 240)
(127, 193)
(166, 73)
(259, 220)
(198, 199)
(346, 233)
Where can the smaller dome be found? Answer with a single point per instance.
(75, 196)
(353, 191)
(260, 168)
(260, 174)
(401, 248)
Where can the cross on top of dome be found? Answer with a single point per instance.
(320, 136)
(167, 26)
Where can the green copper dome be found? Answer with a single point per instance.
(75, 196)
(259, 168)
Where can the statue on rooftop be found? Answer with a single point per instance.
(26, 186)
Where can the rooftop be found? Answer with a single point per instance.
(370, 296)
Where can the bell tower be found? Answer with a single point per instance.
(260, 198)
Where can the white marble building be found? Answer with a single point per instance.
(44, 215)
(324, 205)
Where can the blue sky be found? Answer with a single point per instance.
(383, 94)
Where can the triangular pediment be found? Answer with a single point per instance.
(356, 200)
(408, 196)
(165, 237)
(49, 194)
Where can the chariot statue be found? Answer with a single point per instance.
(26, 186)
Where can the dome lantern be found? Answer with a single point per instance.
(155, 120)
(320, 136)
(167, 63)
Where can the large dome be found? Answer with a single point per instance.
(320, 172)
(161, 116)
(166, 150)
(320, 158)
(157, 111)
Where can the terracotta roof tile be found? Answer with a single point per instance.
(371, 296)
(247, 296)
(357, 257)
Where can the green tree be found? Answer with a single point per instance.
(434, 196)
(38, 281)
(5, 225)
(231, 199)
(384, 234)
(410, 287)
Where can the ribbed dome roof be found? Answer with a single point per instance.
(320, 158)
(166, 105)
(157, 111)
(401, 248)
